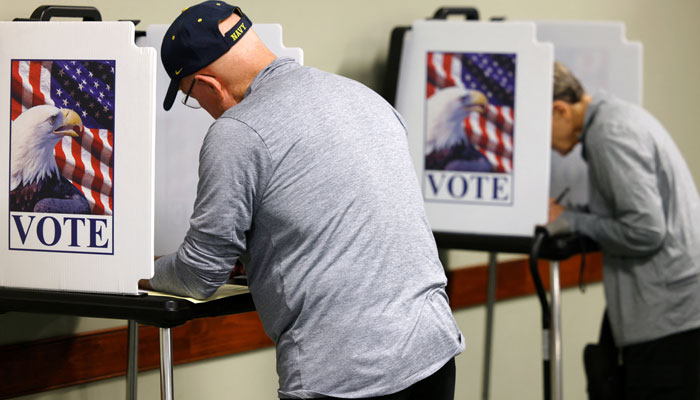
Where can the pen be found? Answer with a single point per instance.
(561, 196)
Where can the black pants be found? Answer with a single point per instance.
(438, 386)
(663, 369)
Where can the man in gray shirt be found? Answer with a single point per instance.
(307, 176)
(645, 213)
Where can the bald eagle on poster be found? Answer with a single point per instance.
(447, 146)
(35, 182)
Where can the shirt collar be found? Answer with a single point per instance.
(274, 68)
(589, 117)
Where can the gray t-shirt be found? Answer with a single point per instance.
(310, 178)
(645, 213)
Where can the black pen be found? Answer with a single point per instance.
(561, 196)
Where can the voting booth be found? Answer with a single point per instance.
(77, 156)
(111, 136)
(476, 97)
(478, 112)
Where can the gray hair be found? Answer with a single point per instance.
(566, 87)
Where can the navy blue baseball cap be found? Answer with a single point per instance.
(194, 41)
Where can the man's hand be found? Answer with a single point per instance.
(555, 210)
(145, 284)
(238, 269)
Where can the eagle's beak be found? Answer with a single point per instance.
(477, 102)
(72, 126)
(479, 98)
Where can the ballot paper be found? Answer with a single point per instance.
(223, 291)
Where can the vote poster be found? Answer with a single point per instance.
(62, 155)
(469, 111)
(476, 99)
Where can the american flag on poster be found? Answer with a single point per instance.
(470, 112)
(86, 87)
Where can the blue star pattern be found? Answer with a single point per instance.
(86, 87)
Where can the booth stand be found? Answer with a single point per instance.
(476, 100)
(159, 311)
(476, 97)
(553, 248)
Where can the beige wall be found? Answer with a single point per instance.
(351, 38)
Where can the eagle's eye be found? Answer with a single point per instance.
(52, 120)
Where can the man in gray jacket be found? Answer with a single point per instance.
(307, 175)
(645, 213)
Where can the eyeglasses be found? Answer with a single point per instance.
(191, 102)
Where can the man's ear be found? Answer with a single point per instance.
(213, 84)
(561, 108)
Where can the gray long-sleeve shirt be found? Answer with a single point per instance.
(310, 176)
(645, 213)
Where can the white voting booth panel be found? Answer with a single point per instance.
(179, 135)
(476, 97)
(78, 106)
(600, 55)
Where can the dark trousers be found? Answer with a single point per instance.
(663, 369)
(438, 386)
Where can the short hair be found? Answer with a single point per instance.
(566, 87)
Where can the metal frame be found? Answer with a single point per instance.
(132, 364)
(166, 363)
(553, 248)
(158, 311)
(488, 339)
(555, 347)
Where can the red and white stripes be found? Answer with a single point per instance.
(87, 161)
(490, 132)
(492, 135)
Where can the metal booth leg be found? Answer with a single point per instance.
(555, 331)
(490, 301)
(132, 364)
(166, 365)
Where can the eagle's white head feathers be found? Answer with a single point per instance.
(35, 133)
(446, 111)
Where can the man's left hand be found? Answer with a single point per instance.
(145, 284)
(555, 210)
